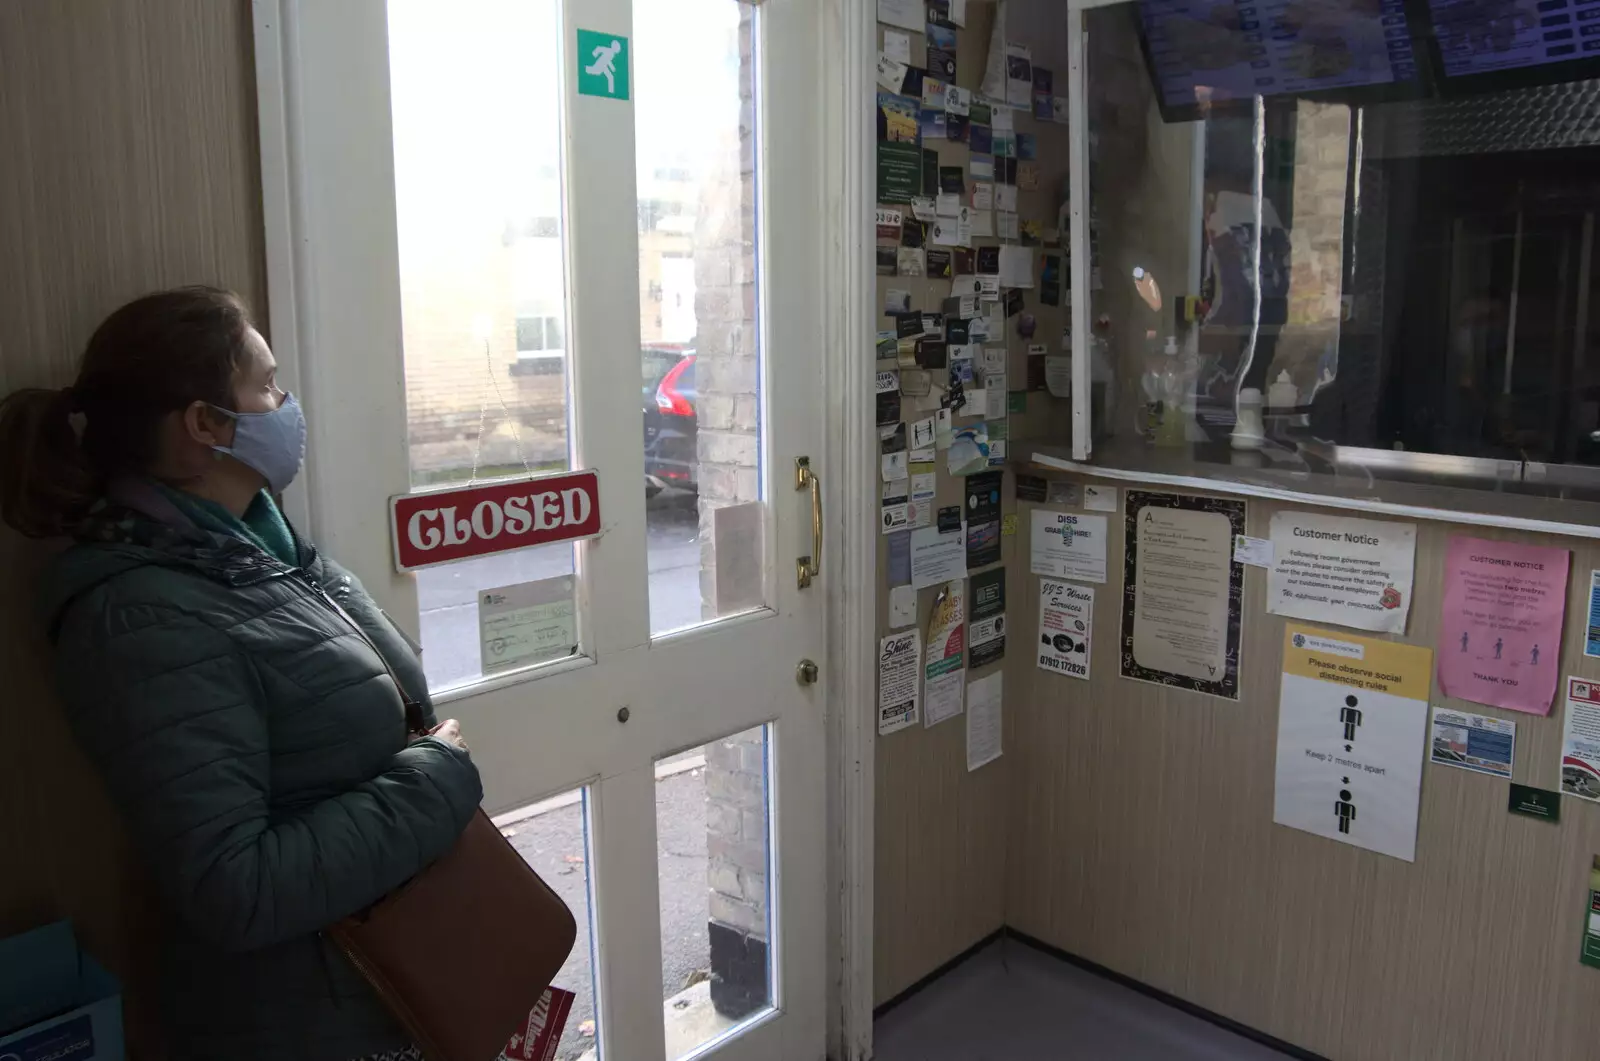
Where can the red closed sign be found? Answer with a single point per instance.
(446, 525)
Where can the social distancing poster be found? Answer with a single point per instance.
(1352, 723)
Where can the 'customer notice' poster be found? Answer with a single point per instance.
(1182, 592)
(1337, 569)
(1352, 721)
(1500, 626)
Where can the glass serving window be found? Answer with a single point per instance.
(1353, 240)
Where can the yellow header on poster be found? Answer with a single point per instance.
(1359, 662)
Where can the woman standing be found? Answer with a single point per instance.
(263, 727)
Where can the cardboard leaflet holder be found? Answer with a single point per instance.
(56, 1002)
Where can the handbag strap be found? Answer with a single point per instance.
(414, 717)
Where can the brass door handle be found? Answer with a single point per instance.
(808, 567)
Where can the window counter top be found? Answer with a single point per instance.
(1513, 495)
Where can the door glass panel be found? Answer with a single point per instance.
(475, 90)
(552, 836)
(713, 829)
(698, 274)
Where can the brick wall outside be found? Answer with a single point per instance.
(447, 304)
(736, 825)
(1321, 150)
(1316, 237)
(727, 367)
(729, 448)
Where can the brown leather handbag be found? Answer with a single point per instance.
(462, 951)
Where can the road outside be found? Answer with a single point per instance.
(448, 595)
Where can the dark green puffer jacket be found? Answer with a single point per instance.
(257, 749)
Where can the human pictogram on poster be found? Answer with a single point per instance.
(1352, 726)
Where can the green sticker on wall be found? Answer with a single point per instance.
(602, 64)
(1535, 803)
(1590, 954)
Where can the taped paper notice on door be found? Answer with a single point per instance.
(1352, 719)
(1338, 569)
(1066, 628)
(899, 672)
(736, 531)
(525, 624)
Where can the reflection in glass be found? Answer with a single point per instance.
(1353, 263)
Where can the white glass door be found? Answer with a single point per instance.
(513, 239)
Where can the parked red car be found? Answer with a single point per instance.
(671, 422)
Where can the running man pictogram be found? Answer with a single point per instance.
(604, 65)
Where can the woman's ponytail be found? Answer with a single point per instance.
(45, 484)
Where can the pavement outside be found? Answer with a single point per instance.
(553, 844)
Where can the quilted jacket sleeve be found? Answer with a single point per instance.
(163, 704)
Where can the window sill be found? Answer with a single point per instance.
(1435, 492)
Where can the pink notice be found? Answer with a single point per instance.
(1500, 639)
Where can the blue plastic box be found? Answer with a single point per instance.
(56, 1002)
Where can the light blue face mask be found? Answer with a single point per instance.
(273, 443)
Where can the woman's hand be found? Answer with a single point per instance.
(449, 731)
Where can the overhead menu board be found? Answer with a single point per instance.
(1220, 50)
(1479, 38)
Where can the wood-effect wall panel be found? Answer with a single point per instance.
(1142, 839)
(128, 163)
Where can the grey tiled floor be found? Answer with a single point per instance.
(1010, 1002)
